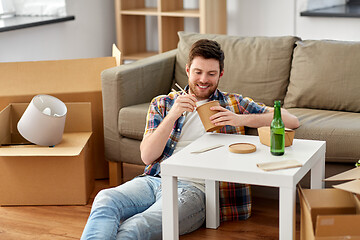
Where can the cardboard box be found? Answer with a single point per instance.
(36, 175)
(75, 80)
(332, 213)
(264, 135)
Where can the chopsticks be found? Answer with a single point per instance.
(208, 148)
(182, 90)
(178, 86)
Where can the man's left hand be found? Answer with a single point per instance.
(225, 117)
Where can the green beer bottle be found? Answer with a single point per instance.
(277, 132)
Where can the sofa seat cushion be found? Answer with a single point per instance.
(132, 121)
(340, 130)
(256, 67)
(325, 75)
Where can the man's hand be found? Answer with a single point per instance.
(183, 103)
(225, 117)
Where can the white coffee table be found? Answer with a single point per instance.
(221, 165)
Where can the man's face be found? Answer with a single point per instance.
(204, 75)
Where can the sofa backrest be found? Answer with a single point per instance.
(325, 75)
(256, 67)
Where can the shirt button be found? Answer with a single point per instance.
(172, 145)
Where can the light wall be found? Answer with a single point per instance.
(93, 31)
(336, 28)
(91, 34)
(282, 17)
(261, 17)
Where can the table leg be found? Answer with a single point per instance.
(212, 204)
(170, 211)
(287, 213)
(318, 173)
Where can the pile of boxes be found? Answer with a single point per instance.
(64, 174)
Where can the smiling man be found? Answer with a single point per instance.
(133, 209)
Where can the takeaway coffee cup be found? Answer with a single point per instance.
(205, 113)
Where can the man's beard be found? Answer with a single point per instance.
(202, 95)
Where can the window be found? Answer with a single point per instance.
(40, 7)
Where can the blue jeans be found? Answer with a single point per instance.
(133, 210)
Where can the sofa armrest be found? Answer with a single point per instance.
(132, 84)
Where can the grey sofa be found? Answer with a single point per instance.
(318, 81)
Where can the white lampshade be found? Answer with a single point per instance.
(43, 121)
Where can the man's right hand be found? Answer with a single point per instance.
(153, 144)
(183, 103)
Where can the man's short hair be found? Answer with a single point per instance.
(207, 49)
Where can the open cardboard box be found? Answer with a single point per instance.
(332, 213)
(37, 175)
(76, 80)
(264, 135)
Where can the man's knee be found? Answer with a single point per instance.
(105, 198)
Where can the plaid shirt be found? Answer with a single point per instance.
(235, 199)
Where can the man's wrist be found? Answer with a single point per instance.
(242, 120)
(172, 116)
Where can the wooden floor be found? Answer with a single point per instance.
(67, 222)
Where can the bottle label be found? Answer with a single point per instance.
(277, 142)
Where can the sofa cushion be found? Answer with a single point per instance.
(256, 67)
(340, 130)
(132, 120)
(325, 75)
